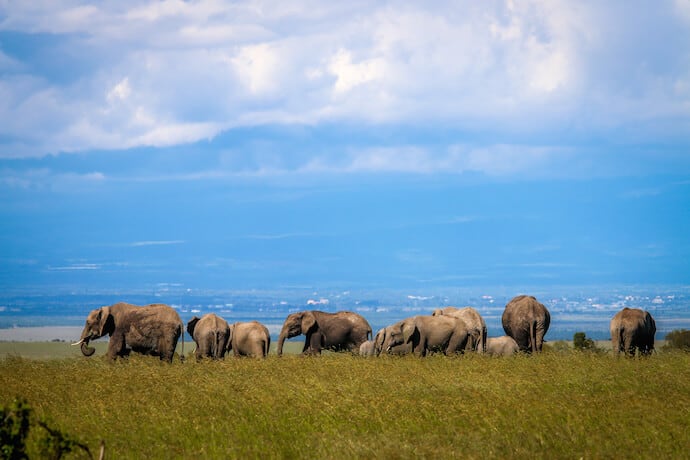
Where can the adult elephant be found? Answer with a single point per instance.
(249, 338)
(526, 321)
(340, 331)
(150, 330)
(501, 346)
(430, 333)
(211, 334)
(475, 324)
(631, 329)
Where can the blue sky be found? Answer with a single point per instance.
(388, 144)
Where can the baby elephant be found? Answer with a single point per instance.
(211, 334)
(367, 348)
(501, 346)
(249, 339)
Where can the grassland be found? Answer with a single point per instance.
(556, 405)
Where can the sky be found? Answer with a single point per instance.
(263, 145)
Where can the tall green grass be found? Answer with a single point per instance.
(556, 405)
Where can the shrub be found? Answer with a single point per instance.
(582, 342)
(14, 427)
(678, 339)
(15, 423)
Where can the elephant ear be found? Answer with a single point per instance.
(192, 324)
(102, 319)
(408, 330)
(379, 338)
(308, 321)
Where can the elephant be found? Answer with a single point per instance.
(633, 328)
(150, 330)
(501, 346)
(474, 321)
(430, 333)
(249, 338)
(382, 343)
(211, 334)
(367, 348)
(340, 331)
(527, 321)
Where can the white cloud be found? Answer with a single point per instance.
(121, 91)
(168, 73)
(349, 74)
(139, 244)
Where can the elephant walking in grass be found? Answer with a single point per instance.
(430, 333)
(631, 329)
(211, 334)
(341, 331)
(501, 346)
(527, 321)
(150, 330)
(250, 338)
(475, 324)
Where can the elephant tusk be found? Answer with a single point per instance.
(78, 343)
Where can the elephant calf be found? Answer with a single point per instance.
(367, 348)
(501, 346)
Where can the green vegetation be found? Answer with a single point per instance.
(555, 405)
(678, 339)
(17, 423)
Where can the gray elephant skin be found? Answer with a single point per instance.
(340, 331)
(475, 324)
(501, 346)
(426, 334)
(383, 343)
(211, 334)
(249, 338)
(367, 348)
(632, 329)
(150, 330)
(527, 321)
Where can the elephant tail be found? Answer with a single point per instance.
(182, 351)
(217, 345)
(533, 336)
(267, 345)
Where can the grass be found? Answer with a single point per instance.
(556, 405)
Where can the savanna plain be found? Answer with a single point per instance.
(559, 404)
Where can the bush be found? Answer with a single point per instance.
(14, 427)
(582, 342)
(15, 423)
(678, 339)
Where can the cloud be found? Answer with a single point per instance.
(172, 73)
(138, 244)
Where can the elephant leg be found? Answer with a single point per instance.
(455, 345)
(116, 346)
(315, 340)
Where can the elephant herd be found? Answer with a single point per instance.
(155, 330)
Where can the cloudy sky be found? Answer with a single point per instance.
(262, 144)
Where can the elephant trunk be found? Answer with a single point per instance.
(281, 340)
(86, 350)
